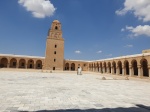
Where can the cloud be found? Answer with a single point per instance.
(109, 55)
(98, 52)
(78, 52)
(128, 46)
(122, 30)
(140, 8)
(139, 30)
(38, 8)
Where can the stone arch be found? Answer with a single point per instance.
(13, 63)
(73, 67)
(30, 64)
(4, 62)
(119, 67)
(101, 70)
(109, 67)
(90, 67)
(94, 67)
(38, 64)
(105, 69)
(114, 66)
(135, 68)
(97, 67)
(56, 27)
(67, 66)
(144, 66)
(126, 65)
(22, 63)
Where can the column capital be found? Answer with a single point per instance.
(123, 66)
(130, 66)
(117, 67)
(139, 66)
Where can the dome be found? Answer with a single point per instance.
(56, 21)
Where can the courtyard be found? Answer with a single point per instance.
(68, 92)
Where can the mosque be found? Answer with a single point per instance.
(132, 65)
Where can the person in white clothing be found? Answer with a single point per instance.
(79, 71)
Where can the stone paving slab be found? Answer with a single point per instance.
(68, 92)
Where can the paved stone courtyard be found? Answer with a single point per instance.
(67, 92)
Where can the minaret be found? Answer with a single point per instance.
(54, 56)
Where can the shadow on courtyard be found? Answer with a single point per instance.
(138, 108)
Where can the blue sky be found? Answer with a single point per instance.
(92, 29)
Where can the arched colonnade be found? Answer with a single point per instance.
(131, 67)
(7, 62)
(73, 65)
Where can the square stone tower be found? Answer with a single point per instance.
(54, 57)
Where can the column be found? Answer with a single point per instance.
(112, 70)
(117, 70)
(123, 70)
(93, 69)
(140, 71)
(149, 70)
(108, 70)
(26, 66)
(8, 64)
(34, 66)
(17, 66)
(96, 69)
(103, 69)
(100, 70)
(131, 70)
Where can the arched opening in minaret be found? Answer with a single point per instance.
(55, 46)
(56, 28)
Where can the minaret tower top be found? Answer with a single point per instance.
(56, 25)
(55, 31)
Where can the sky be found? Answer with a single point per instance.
(92, 29)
